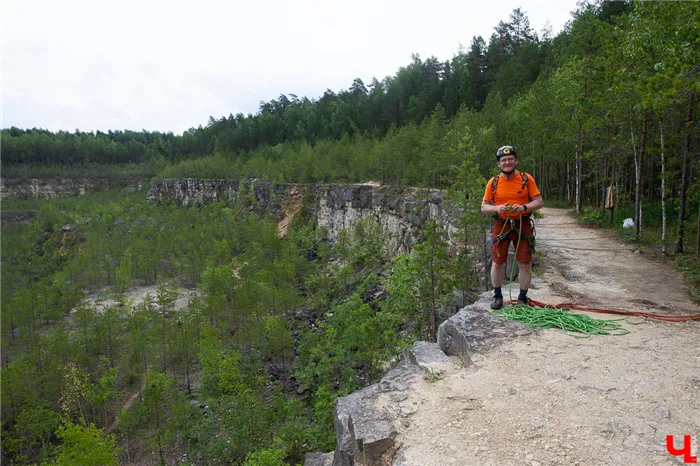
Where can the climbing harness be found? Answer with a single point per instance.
(503, 234)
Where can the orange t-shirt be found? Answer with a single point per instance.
(512, 192)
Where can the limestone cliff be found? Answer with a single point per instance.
(401, 210)
(47, 188)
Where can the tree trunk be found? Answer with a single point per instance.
(613, 180)
(650, 172)
(603, 188)
(568, 184)
(158, 437)
(628, 177)
(487, 264)
(684, 177)
(638, 192)
(433, 304)
(582, 138)
(697, 245)
(545, 179)
(579, 172)
(638, 173)
(663, 188)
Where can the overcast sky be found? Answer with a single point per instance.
(168, 66)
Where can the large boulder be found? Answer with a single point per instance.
(428, 357)
(475, 328)
(364, 429)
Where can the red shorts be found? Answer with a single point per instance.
(509, 233)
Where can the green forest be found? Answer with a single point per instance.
(275, 329)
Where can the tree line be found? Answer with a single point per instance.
(611, 101)
(410, 96)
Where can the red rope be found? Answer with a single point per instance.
(562, 227)
(534, 303)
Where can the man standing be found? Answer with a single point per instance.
(510, 197)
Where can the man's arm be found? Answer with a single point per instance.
(502, 210)
(535, 203)
(487, 208)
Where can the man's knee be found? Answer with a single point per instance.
(524, 265)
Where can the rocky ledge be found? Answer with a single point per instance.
(369, 421)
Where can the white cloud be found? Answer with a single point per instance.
(168, 66)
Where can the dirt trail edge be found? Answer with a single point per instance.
(551, 399)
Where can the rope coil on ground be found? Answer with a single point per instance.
(555, 317)
(540, 315)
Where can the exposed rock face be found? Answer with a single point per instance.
(318, 459)
(195, 192)
(47, 188)
(364, 429)
(402, 211)
(426, 356)
(474, 328)
(17, 216)
(368, 422)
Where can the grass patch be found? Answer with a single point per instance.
(690, 268)
(434, 377)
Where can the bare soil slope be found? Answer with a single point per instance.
(551, 399)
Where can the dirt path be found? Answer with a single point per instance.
(551, 399)
(594, 269)
(125, 407)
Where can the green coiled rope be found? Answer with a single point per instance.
(561, 318)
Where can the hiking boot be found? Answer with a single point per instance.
(497, 303)
(523, 300)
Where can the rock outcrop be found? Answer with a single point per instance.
(401, 211)
(17, 216)
(47, 188)
(369, 421)
(366, 420)
(476, 329)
